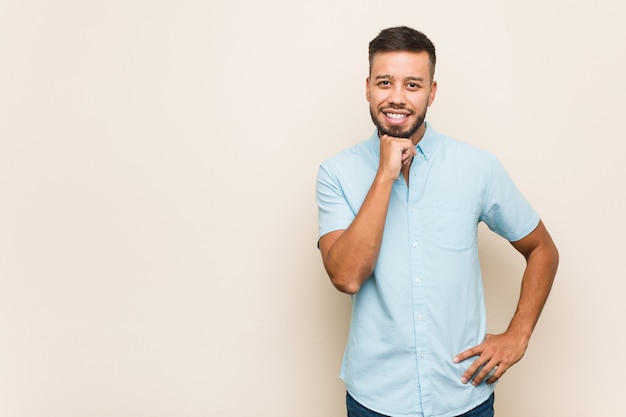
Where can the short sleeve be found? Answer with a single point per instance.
(506, 211)
(334, 212)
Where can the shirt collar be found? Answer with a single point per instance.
(426, 146)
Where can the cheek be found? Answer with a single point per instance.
(431, 97)
(375, 98)
(423, 101)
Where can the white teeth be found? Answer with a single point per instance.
(395, 115)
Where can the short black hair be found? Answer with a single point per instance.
(403, 38)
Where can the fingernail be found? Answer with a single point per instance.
(464, 380)
(455, 359)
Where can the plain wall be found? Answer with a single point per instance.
(158, 223)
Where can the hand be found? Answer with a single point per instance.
(394, 154)
(497, 353)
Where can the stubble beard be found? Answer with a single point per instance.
(397, 131)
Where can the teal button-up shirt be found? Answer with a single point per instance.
(424, 302)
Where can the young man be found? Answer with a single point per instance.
(398, 218)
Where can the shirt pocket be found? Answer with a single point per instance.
(455, 226)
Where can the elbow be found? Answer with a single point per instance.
(348, 283)
(555, 257)
(350, 288)
(552, 255)
(347, 277)
(548, 258)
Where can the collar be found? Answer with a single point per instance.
(426, 146)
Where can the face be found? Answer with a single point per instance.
(399, 90)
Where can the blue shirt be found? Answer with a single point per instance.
(424, 302)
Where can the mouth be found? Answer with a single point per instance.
(396, 117)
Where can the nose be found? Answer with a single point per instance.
(396, 95)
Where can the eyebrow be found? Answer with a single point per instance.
(390, 77)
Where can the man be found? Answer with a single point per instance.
(398, 218)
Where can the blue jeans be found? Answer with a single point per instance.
(357, 410)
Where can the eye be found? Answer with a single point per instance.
(384, 83)
(413, 86)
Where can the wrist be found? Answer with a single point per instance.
(385, 178)
(521, 333)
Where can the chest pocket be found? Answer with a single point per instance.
(455, 226)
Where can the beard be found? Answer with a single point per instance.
(398, 131)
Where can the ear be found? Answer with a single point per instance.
(433, 93)
(367, 89)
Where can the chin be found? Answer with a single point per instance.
(404, 134)
(396, 132)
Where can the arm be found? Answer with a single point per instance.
(506, 349)
(350, 255)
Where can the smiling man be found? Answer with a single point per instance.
(398, 220)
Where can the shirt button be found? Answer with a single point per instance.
(414, 244)
(420, 317)
(418, 280)
(422, 355)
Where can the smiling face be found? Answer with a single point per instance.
(399, 90)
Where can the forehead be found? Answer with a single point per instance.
(401, 64)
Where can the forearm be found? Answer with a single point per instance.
(350, 259)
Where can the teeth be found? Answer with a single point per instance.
(395, 115)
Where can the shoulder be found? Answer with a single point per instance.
(466, 155)
(357, 151)
(453, 144)
(353, 159)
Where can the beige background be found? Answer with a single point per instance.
(157, 212)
